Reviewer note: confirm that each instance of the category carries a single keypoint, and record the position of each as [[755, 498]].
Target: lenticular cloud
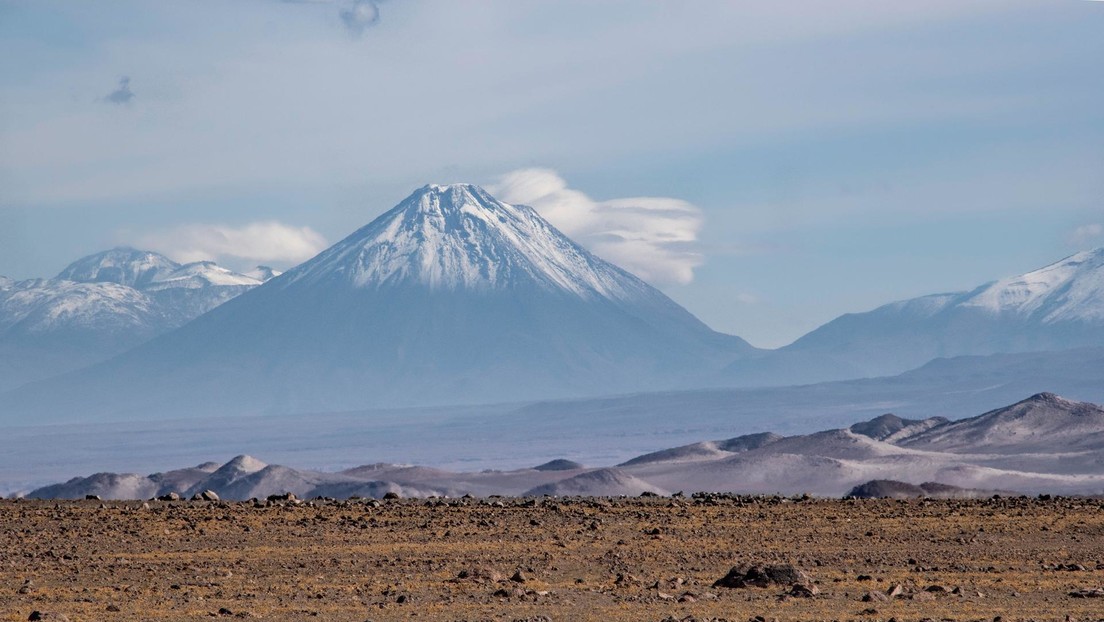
[[655, 238]]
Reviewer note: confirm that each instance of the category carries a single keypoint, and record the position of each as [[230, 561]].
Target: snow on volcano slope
[[451, 297], [459, 237]]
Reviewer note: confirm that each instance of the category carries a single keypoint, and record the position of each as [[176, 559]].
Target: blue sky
[[808, 158]]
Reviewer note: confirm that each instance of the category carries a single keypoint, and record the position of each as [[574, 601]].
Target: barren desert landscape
[[499, 311], [640, 559]]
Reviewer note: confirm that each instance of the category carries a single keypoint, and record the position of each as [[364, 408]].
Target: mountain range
[[453, 297], [1044, 444], [1057, 307], [450, 297], [101, 305]]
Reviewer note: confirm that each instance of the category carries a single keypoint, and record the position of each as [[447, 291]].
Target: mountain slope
[[125, 266], [1058, 307], [1043, 423], [102, 305], [450, 297]]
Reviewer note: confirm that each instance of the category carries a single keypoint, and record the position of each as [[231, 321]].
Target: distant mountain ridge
[[1022, 448], [450, 297], [453, 297], [101, 305], [1057, 307]]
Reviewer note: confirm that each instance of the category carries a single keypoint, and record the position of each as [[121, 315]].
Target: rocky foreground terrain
[[647, 558]]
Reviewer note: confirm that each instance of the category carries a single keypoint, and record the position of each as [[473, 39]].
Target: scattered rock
[[1095, 593], [874, 597], [763, 576], [206, 495], [624, 580], [172, 496], [287, 496], [804, 590], [481, 574], [47, 616]]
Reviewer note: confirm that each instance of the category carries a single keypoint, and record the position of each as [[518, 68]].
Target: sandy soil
[[639, 559]]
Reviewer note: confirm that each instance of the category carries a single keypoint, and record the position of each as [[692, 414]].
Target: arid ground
[[638, 559]]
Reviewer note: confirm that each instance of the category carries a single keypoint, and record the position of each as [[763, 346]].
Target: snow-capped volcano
[[450, 297], [460, 237]]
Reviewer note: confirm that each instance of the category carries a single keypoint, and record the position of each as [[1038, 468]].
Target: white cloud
[[1086, 234], [265, 242], [652, 237]]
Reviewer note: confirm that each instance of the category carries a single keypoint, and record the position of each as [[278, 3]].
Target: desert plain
[[641, 559]]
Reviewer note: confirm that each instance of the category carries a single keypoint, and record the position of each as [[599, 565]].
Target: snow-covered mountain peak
[[1070, 289], [6, 282], [201, 274], [125, 266], [39, 306], [263, 273], [459, 237]]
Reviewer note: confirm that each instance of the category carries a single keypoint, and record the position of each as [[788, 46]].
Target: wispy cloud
[[268, 241], [1087, 234], [122, 94], [652, 237]]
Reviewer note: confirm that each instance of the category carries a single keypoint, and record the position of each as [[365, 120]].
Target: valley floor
[[639, 559]]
